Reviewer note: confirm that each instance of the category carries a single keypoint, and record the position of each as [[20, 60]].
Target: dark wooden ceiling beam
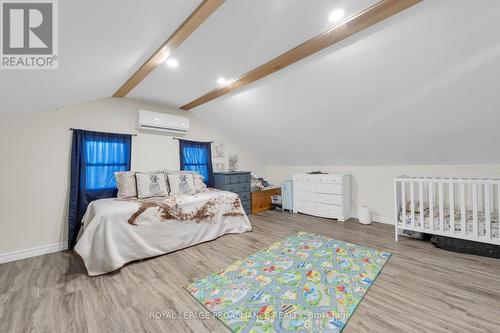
[[201, 13], [377, 13]]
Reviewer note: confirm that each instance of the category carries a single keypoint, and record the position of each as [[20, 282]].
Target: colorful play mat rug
[[303, 283]]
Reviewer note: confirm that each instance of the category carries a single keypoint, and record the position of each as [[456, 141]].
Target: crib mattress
[[469, 219]]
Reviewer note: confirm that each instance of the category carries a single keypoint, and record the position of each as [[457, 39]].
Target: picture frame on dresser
[[323, 195]]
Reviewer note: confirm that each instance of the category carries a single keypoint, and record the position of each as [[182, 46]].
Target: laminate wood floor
[[421, 288]]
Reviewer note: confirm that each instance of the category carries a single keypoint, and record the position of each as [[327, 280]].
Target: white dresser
[[326, 195]]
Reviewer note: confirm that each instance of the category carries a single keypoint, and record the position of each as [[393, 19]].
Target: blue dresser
[[237, 182]]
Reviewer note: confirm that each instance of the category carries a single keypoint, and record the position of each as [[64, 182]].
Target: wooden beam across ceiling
[[201, 13], [377, 13]]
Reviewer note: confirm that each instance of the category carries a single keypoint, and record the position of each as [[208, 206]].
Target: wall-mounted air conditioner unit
[[148, 120]]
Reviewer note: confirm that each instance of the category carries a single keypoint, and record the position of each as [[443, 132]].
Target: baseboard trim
[[33, 252], [376, 218]]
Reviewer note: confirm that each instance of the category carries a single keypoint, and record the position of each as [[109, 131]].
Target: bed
[[469, 220], [119, 231], [461, 213]]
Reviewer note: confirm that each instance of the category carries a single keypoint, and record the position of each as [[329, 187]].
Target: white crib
[[459, 207]]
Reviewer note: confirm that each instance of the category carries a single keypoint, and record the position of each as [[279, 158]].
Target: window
[[102, 160], [95, 157], [197, 156]]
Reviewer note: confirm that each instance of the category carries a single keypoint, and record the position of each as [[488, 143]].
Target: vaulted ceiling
[[417, 88], [238, 37], [101, 43]]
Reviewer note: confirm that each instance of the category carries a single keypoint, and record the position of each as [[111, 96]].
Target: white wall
[[35, 155], [373, 185]]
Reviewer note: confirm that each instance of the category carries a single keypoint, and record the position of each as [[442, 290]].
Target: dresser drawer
[[231, 179], [329, 210], [332, 199], [236, 179], [237, 188], [246, 205], [244, 196], [305, 196], [328, 179], [244, 178], [304, 187], [329, 188], [305, 206], [304, 178]]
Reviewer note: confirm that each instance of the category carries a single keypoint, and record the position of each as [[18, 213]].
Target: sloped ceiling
[[236, 38], [101, 43], [419, 88]]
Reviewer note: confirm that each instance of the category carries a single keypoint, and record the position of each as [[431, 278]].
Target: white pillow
[[198, 182], [152, 184], [181, 183], [125, 181], [199, 185]]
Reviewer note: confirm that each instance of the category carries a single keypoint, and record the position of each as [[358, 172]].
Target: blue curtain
[[95, 157], [197, 156]]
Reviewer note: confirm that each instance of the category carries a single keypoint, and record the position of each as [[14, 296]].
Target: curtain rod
[[79, 129], [193, 140]]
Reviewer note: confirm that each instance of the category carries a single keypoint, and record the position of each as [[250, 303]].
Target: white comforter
[[119, 231]]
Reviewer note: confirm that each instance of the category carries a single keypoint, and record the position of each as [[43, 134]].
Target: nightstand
[[261, 200]]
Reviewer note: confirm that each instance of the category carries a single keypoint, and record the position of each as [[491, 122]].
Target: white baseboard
[[33, 252], [376, 218]]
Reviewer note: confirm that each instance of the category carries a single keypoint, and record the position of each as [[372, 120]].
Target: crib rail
[[466, 207]]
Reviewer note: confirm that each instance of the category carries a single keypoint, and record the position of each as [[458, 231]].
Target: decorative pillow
[[152, 184], [181, 183], [125, 181], [199, 185], [198, 179]]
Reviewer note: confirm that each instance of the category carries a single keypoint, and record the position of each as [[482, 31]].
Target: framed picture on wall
[[219, 166], [219, 149], [232, 162]]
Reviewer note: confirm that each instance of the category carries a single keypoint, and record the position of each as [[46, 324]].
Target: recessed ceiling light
[[221, 80], [172, 63], [336, 15]]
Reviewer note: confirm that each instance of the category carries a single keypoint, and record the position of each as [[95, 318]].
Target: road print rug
[[303, 283]]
